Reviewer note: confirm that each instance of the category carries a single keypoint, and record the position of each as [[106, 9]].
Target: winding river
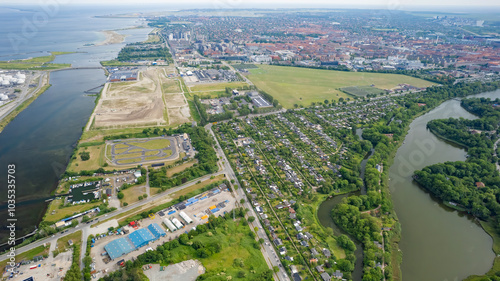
[[438, 243]]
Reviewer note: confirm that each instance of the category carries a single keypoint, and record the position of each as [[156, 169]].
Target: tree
[[251, 218], [120, 195], [85, 155]]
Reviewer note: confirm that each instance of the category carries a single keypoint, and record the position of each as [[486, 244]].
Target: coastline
[[44, 87], [112, 37]]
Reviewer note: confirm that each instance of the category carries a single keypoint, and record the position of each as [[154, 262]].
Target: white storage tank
[[3, 97], [20, 75], [5, 83]]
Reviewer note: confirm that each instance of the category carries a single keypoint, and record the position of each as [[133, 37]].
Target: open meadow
[[302, 86]]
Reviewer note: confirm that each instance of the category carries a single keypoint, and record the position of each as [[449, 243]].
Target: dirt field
[[187, 271], [136, 103]]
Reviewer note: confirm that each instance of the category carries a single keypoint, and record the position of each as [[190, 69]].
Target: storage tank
[[5, 83], [4, 97], [20, 75], [20, 81]]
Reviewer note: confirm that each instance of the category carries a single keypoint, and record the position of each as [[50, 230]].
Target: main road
[[86, 227], [267, 249]]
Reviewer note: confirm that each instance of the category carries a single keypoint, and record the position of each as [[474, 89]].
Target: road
[[267, 249], [24, 95], [86, 227]]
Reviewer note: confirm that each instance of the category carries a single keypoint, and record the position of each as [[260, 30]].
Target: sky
[[440, 5]]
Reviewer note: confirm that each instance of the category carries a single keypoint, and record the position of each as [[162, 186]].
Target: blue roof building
[[119, 247], [156, 230], [141, 237], [134, 240]]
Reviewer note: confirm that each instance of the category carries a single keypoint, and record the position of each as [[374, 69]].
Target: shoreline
[[45, 85], [112, 37]]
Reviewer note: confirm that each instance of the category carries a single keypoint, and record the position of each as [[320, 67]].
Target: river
[[438, 243], [40, 140]]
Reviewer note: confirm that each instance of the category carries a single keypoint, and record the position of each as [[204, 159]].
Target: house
[[378, 244], [337, 274], [282, 251], [325, 276], [300, 236], [288, 258], [320, 269], [326, 252], [479, 184], [304, 243], [314, 252], [277, 242], [308, 235]]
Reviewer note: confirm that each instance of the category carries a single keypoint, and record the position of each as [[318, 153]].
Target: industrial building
[[118, 76], [185, 217], [134, 240]]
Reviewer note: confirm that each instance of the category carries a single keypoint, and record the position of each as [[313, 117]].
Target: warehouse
[[134, 240], [123, 76], [177, 223], [119, 247], [185, 217], [170, 225]]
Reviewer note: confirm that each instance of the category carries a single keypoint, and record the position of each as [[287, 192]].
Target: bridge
[[80, 67]]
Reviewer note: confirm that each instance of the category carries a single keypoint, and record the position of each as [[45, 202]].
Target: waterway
[[438, 243], [325, 218], [40, 140]]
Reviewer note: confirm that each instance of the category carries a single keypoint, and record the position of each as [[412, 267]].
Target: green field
[[237, 253], [302, 86], [217, 86], [361, 91], [36, 63], [152, 144]]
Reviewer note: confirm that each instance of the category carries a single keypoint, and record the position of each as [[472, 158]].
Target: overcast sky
[[270, 3]]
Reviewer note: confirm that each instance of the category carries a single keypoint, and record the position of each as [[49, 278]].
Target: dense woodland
[[472, 185]]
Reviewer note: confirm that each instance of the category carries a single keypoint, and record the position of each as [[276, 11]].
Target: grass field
[[302, 86], [361, 91], [194, 187], [62, 243], [61, 213], [131, 194], [180, 168], [96, 160], [217, 86], [237, 254], [36, 63], [152, 144]]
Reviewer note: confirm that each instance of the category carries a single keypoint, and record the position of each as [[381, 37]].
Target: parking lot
[[49, 269], [198, 211]]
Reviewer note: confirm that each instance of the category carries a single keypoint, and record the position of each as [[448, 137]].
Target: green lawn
[[152, 144], [217, 86], [61, 213], [62, 243], [293, 85], [236, 244], [36, 63]]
